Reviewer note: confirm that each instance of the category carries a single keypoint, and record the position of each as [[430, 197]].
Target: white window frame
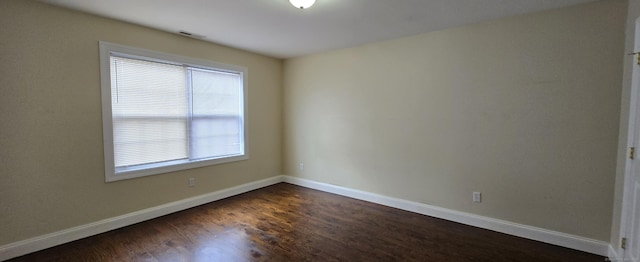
[[111, 174]]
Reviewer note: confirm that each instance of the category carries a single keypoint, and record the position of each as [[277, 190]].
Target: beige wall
[[632, 14], [523, 109], [51, 154]]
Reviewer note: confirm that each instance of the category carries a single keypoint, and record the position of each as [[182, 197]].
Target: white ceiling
[[276, 28]]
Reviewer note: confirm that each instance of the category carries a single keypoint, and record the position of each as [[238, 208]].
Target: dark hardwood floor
[[284, 222]]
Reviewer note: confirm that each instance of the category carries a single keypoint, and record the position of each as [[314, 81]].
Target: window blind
[[164, 112], [216, 126]]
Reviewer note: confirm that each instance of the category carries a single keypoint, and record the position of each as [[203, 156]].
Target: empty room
[[326, 130]]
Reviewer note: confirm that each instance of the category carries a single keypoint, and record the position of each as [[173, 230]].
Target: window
[[164, 113]]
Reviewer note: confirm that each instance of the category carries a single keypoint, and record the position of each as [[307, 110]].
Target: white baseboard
[[539, 234], [27, 246], [548, 236]]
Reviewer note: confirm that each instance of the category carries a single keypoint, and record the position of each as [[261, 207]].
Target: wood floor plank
[[284, 222]]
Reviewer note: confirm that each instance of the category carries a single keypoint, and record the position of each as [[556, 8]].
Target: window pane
[[149, 107], [216, 128], [148, 140]]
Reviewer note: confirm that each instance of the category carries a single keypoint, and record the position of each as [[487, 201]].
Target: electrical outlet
[[301, 166], [192, 182], [477, 197]]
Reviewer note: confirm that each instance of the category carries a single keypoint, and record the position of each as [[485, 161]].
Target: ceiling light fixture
[[302, 4]]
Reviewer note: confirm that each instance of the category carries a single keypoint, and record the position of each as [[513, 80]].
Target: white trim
[[631, 141], [613, 254], [27, 246], [535, 233]]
